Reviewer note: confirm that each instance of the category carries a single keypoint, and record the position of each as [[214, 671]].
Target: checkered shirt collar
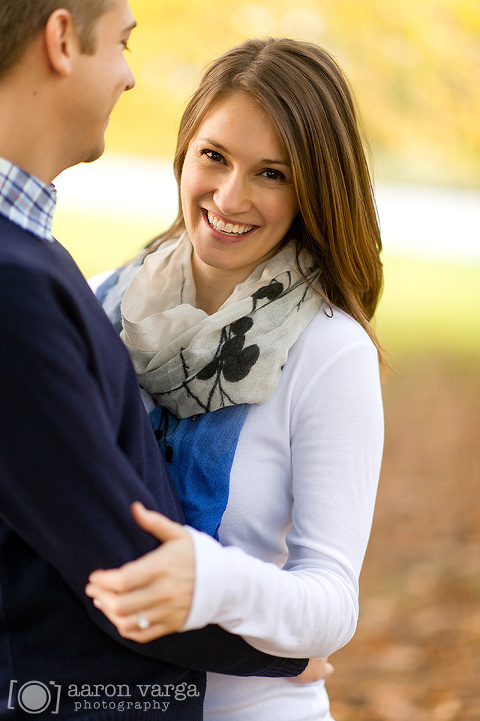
[[26, 201]]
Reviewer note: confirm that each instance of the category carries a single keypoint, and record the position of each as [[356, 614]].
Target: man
[[76, 448]]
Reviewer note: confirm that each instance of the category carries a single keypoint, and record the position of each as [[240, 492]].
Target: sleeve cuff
[[209, 580], [287, 668]]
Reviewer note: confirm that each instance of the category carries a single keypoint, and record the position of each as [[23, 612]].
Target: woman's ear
[[61, 41]]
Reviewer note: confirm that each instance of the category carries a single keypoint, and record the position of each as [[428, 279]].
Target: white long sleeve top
[[295, 531]]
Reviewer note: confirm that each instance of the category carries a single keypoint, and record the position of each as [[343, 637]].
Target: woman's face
[[237, 192]]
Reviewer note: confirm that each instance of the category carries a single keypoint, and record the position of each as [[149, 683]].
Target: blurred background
[[415, 70]]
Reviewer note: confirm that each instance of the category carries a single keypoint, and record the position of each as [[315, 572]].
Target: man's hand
[[152, 596]]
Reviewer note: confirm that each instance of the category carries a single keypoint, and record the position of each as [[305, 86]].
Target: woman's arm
[[336, 437]]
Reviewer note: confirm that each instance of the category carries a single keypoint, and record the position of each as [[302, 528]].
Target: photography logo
[[35, 697]]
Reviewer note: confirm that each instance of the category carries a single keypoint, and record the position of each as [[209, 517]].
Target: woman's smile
[[228, 229]]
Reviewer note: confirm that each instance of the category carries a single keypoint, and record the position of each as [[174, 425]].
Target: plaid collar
[[26, 201]]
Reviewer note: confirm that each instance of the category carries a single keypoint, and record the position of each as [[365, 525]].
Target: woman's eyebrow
[[263, 161], [269, 161], [210, 141]]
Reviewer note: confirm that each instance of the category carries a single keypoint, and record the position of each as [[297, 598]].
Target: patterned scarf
[[194, 363]]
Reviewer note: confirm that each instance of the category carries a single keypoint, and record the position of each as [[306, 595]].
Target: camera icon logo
[[35, 697]]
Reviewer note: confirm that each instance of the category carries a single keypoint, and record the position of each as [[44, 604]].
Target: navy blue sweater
[[76, 449]]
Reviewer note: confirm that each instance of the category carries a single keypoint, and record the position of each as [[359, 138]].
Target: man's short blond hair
[[22, 20]]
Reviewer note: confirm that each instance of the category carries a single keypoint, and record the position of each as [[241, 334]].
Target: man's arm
[[66, 487]]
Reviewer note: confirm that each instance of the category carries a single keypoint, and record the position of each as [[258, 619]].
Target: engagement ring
[[142, 622]]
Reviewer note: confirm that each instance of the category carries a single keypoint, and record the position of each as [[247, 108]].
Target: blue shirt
[[26, 201]]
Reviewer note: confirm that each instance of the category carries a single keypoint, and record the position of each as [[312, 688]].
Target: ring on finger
[[142, 621]]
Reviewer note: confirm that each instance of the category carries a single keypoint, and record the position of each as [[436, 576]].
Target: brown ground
[[416, 654]]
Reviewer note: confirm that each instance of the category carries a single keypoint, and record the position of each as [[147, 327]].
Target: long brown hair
[[308, 99]]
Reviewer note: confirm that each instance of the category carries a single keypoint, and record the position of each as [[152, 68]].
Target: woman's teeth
[[227, 228]]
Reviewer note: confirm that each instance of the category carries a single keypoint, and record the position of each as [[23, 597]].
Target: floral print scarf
[[193, 363]]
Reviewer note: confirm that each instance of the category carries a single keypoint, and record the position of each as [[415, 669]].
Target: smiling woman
[[248, 322], [237, 208]]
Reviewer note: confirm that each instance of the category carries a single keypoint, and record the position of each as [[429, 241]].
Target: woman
[[249, 324]]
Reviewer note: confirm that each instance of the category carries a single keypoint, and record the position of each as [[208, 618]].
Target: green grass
[[427, 305], [430, 305]]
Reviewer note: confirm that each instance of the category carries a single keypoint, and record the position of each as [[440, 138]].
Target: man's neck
[[28, 136], [29, 155]]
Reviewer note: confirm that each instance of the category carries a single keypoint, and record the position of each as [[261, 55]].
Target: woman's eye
[[213, 155], [272, 174]]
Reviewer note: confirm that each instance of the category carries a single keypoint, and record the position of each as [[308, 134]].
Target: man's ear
[[61, 41]]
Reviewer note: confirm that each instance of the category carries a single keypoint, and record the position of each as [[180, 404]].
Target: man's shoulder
[[23, 252], [19, 246], [38, 275]]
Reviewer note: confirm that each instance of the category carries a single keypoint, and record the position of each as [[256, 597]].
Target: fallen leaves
[[416, 654]]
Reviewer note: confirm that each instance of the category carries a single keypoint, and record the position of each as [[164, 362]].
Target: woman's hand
[[151, 596], [317, 669]]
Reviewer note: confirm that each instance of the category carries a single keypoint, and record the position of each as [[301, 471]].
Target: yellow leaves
[[414, 67]]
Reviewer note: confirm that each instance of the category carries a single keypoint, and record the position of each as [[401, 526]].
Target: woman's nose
[[232, 195]]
